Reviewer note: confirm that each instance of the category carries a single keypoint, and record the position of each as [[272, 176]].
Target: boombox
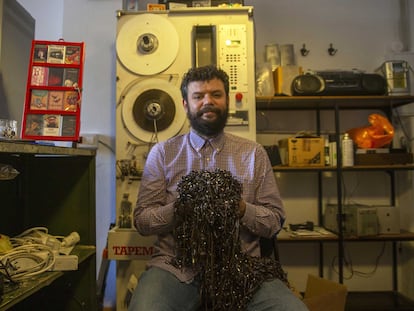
[[339, 83]]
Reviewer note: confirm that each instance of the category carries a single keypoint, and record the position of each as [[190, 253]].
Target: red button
[[239, 97]]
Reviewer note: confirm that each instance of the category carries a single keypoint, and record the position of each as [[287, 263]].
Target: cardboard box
[[302, 151], [324, 295], [128, 244]]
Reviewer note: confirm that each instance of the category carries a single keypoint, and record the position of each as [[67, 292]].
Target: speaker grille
[[374, 84], [307, 85]]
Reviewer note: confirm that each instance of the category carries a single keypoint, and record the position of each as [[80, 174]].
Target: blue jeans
[[159, 290]]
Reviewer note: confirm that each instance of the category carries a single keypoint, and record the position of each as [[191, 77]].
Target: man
[[205, 93]]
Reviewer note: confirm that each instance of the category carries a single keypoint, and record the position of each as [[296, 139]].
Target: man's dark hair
[[205, 73]]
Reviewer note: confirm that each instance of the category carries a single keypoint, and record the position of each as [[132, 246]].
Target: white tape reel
[[165, 100], [147, 45]]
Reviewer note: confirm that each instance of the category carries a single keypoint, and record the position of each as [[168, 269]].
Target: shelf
[[286, 236], [330, 102], [30, 147], [26, 288], [378, 301], [394, 167], [335, 105], [53, 100]]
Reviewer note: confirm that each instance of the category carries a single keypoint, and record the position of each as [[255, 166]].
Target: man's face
[[207, 106]]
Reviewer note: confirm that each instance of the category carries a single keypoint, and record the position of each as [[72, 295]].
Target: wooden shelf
[[30, 147], [15, 294]]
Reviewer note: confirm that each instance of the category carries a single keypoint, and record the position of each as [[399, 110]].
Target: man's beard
[[207, 127]]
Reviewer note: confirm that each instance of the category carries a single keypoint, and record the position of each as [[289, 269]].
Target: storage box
[[384, 158], [324, 295], [128, 244], [302, 151]]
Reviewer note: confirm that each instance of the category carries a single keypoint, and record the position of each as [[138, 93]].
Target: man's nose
[[208, 99]]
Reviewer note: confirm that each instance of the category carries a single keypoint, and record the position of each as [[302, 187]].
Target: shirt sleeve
[[265, 213], [153, 214]]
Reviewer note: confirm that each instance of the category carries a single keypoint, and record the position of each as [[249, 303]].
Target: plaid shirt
[[170, 160]]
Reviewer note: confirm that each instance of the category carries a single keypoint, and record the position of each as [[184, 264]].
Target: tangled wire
[[207, 237]]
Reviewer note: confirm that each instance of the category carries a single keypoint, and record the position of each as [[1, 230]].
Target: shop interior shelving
[[54, 188], [356, 300]]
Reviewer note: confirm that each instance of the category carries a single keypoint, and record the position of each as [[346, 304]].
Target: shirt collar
[[198, 142]]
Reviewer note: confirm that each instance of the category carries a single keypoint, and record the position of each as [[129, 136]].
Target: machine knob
[[239, 97]]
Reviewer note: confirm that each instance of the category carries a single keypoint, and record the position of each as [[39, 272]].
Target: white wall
[[48, 15], [364, 32], [94, 23]]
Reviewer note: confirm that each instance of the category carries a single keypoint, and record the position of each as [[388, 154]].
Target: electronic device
[[358, 220], [396, 73], [388, 219], [339, 83], [154, 50], [303, 226]]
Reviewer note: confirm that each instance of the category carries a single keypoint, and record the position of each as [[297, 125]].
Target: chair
[[269, 247]]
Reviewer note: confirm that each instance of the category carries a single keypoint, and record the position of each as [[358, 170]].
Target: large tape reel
[[152, 100], [147, 44]]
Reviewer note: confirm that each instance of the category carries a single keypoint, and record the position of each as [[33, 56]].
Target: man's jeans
[[159, 290]]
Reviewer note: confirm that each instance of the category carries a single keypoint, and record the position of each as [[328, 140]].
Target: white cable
[[32, 230], [34, 252], [41, 257]]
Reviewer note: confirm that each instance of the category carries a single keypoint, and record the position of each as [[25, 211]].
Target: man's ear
[[185, 105]]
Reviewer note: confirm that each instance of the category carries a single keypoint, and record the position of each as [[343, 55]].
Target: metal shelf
[[331, 102], [338, 104], [396, 167], [286, 236], [378, 301]]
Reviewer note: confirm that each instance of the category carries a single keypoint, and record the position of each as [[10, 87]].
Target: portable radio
[[396, 72]]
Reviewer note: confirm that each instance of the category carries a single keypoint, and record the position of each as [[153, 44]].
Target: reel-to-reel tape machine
[[148, 97], [154, 49]]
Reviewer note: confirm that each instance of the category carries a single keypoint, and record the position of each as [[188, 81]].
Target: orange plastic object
[[378, 135]]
